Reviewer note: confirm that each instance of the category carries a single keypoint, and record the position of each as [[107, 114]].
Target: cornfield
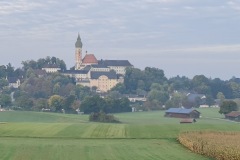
[[218, 145]]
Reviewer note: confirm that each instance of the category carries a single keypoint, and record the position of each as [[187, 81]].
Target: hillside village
[[38, 83]]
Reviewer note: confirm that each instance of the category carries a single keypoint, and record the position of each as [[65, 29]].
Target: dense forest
[[58, 93]]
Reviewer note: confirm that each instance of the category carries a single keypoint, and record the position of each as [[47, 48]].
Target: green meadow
[[140, 136]]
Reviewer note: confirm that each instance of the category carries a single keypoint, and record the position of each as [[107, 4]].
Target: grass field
[[140, 136]]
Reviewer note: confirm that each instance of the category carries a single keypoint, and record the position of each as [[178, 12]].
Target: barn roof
[[187, 120], [180, 110], [233, 114]]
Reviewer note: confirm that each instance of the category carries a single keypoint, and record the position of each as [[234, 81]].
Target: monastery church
[[103, 74]]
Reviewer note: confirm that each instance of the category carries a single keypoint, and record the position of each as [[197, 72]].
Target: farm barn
[[234, 115], [182, 113]]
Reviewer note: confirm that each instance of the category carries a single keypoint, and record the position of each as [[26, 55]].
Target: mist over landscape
[[119, 80], [184, 38]]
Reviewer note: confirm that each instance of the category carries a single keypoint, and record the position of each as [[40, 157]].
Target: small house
[[136, 98], [192, 97], [14, 82], [51, 68], [234, 115], [182, 113]]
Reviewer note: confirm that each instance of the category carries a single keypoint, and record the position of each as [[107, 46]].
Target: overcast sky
[[182, 37]]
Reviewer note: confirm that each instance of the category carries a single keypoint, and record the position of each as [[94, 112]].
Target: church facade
[[102, 74]]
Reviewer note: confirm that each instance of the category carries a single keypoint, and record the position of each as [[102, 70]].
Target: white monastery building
[[102, 74]]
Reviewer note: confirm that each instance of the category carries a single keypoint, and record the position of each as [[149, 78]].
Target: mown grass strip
[[88, 149]]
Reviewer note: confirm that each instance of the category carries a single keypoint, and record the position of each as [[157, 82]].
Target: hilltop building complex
[[102, 74]]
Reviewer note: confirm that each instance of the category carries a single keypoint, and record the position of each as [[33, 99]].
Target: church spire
[[78, 43]]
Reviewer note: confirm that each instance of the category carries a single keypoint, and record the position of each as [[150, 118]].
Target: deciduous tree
[[5, 100], [56, 102], [227, 107]]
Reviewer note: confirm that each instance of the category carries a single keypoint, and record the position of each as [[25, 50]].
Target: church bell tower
[[78, 53]]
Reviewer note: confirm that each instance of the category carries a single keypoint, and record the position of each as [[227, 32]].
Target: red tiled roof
[[233, 114], [90, 58]]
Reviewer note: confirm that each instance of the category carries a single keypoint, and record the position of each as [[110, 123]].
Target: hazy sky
[[182, 37]]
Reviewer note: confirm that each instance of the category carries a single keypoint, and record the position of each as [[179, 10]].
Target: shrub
[[103, 117]]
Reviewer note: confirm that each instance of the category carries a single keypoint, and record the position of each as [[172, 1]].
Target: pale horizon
[[183, 38]]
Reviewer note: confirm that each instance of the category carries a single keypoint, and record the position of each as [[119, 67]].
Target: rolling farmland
[[143, 135]]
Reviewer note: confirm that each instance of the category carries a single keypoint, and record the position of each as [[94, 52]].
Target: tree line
[[58, 92], [162, 92]]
